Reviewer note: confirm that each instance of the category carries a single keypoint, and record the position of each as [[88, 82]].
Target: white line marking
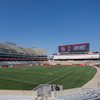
[[19, 80], [58, 77]]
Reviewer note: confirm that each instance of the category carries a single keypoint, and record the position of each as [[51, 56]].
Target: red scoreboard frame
[[84, 47]]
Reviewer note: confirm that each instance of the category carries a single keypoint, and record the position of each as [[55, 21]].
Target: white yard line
[[56, 78], [20, 80], [59, 76]]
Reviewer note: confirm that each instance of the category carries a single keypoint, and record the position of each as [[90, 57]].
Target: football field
[[30, 77]]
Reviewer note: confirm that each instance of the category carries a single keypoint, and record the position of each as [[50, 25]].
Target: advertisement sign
[[74, 48]]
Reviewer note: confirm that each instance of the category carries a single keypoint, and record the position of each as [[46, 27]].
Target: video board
[[74, 48]]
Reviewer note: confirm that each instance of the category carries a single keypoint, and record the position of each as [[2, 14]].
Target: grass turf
[[30, 77]]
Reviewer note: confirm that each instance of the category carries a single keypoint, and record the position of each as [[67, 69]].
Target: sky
[[50, 23]]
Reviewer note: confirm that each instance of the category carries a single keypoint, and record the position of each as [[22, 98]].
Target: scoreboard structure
[[75, 52], [84, 47]]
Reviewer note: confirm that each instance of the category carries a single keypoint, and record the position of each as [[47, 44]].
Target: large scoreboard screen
[[74, 48]]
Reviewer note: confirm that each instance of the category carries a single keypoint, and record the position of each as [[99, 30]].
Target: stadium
[[71, 74]]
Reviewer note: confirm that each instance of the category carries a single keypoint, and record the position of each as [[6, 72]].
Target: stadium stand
[[75, 54], [86, 95], [11, 54]]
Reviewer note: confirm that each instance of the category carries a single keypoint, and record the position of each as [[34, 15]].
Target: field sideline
[[30, 77]]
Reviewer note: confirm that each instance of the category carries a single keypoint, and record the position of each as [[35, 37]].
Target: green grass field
[[30, 77]]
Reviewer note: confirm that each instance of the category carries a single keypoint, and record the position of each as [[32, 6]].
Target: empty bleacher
[[9, 52]]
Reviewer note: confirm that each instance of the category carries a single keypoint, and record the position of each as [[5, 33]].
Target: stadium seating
[[72, 62], [21, 50], [90, 95], [9, 52]]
